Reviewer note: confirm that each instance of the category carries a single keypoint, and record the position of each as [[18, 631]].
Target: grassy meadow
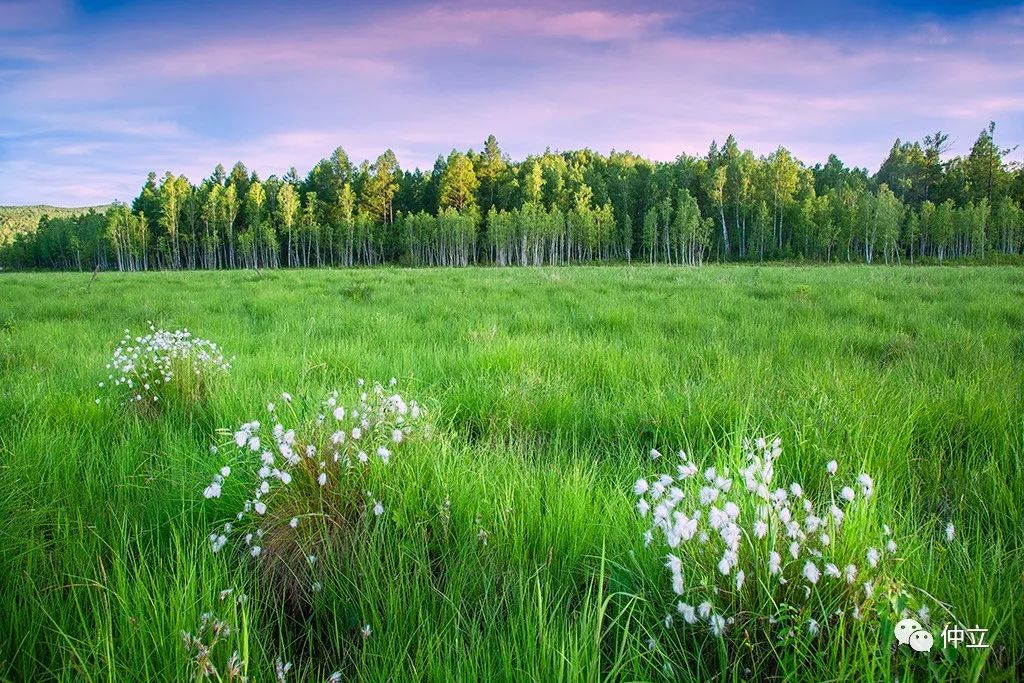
[[511, 549]]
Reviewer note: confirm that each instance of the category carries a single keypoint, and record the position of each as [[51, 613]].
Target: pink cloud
[[566, 78], [19, 15]]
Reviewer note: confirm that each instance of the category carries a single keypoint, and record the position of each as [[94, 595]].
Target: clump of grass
[[740, 546], [202, 647], [310, 495], [147, 369], [358, 291], [896, 348]]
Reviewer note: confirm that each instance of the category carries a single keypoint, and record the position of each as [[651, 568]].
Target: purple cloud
[[91, 121]]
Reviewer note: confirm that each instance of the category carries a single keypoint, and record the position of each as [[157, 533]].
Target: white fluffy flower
[[640, 487], [832, 467], [950, 532], [688, 613], [837, 514], [217, 542], [811, 572], [708, 495], [774, 563], [866, 484], [872, 556]]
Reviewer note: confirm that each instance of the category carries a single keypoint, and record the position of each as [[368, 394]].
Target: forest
[[553, 208]]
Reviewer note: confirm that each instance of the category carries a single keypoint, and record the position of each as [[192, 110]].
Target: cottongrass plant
[[736, 542], [147, 369], [208, 646], [213, 631], [313, 473]]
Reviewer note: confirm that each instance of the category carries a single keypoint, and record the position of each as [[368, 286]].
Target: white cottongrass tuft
[[950, 532], [738, 535], [213, 490], [306, 469], [688, 613], [144, 366]]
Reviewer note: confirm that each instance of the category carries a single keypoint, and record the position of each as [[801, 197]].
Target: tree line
[[554, 208]]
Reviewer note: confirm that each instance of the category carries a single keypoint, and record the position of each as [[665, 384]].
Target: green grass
[[547, 388]]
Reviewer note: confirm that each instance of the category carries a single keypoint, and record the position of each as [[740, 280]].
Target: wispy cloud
[[21, 15], [428, 78]]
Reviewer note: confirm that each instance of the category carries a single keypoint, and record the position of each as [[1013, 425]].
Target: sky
[[94, 95]]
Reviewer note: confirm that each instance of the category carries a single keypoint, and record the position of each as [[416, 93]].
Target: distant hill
[[18, 219]]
